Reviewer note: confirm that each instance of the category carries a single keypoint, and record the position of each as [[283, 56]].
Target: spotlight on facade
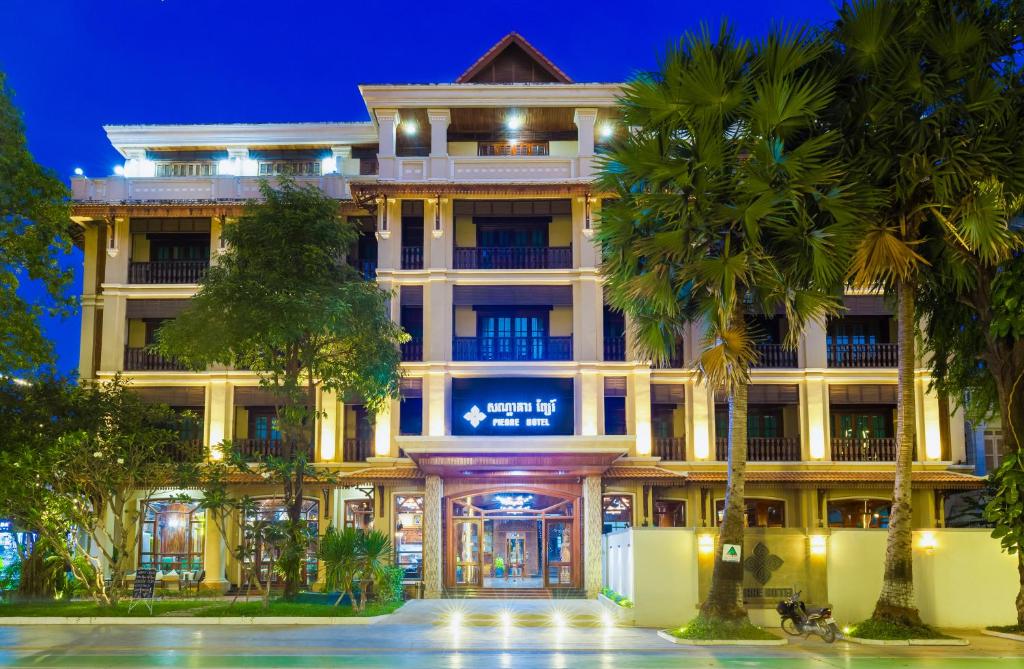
[[119, 170], [507, 619], [926, 541], [607, 130], [455, 619], [558, 619], [514, 122], [409, 128], [818, 544], [79, 172], [705, 544]]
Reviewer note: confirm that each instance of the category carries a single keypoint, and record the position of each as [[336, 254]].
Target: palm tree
[[374, 554], [923, 120], [728, 201], [339, 553]]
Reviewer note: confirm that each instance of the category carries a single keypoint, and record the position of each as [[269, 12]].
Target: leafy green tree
[[34, 217], [283, 302], [926, 123], [82, 460], [1005, 510], [729, 201]]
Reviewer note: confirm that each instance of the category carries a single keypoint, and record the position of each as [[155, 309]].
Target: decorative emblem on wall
[[762, 563], [475, 416]]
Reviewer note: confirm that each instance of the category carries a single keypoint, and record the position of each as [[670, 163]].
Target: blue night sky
[[76, 65]]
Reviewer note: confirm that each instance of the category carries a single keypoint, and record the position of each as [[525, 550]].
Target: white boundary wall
[[657, 569]]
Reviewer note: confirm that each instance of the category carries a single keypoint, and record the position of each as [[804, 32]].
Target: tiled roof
[[365, 475], [833, 478], [645, 473]]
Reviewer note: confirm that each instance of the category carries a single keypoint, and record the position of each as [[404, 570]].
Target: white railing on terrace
[[124, 189]]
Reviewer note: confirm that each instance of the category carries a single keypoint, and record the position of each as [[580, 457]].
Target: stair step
[[513, 593]]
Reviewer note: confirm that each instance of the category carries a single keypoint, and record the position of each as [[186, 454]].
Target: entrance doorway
[[513, 539]]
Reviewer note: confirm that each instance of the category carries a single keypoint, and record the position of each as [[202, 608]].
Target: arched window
[[865, 513], [760, 512], [173, 535], [272, 510]]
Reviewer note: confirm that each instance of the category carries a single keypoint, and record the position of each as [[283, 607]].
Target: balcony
[[358, 450], [412, 351], [266, 448], [217, 187], [774, 355], [412, 257], [763, 449], [513, 257], [489, 349], [669, 448], [186, 451], [864, 450], [144, 360], [863, 355], [167, 271], [615, 349]]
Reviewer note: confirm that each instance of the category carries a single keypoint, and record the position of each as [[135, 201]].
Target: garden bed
[[703, 632], [1012, 632], [875, 633], [622, 615]]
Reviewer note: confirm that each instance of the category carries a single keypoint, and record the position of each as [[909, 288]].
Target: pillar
[[585, 119], [434, 394], [214, 562], [329, 427], [640, 392], [439, 121], [593, 567], [432, 499], [382, 432], [700, 436], [220, 418], [387, 123], [343, 163], [816, 442], [587, 319], [437, 320], [119, 250], [812, 345], [591, 396], [929, 432], [115, 336]]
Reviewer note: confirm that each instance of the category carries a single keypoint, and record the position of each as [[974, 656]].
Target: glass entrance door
[[467, 551], [558, 562]]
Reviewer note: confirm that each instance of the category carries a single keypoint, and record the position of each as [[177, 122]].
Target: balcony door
[[525, 232], [866, 423], [519, 334]]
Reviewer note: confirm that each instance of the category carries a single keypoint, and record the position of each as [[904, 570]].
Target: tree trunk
[[725, 598], [1009, 380], [896, 602]]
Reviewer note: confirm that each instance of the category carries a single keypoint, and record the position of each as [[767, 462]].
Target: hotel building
[[526, 428]]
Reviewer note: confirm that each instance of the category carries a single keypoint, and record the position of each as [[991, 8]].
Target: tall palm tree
[[729, 201], [923, 120]]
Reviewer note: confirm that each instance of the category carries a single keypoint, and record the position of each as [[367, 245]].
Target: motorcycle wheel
[[827, 632], [789, 626]]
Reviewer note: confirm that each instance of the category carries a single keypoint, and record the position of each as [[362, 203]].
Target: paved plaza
[[422, 635]]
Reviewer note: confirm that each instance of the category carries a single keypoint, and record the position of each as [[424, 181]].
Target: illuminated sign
[[512, 406]]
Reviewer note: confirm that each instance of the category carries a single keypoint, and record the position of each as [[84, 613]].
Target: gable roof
[[505, 50]]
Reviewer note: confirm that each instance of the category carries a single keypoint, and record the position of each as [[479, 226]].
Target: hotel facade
[[527, 428]]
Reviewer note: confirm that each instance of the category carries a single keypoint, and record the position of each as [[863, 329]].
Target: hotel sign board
[[512, 406]]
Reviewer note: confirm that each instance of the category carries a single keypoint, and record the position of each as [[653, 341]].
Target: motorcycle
[[796, 620]]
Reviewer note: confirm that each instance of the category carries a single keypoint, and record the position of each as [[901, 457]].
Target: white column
[[437, 320], [119, 250], [432, 536], [929, 433], [387, 123], [115, 333], [435, 402], [343, 162], [585, 119], [591, 401], [813, 346], [817, 442], [382, 432], [389, 235], [220, 415], [640, 394], [329, 431], [439, 121]]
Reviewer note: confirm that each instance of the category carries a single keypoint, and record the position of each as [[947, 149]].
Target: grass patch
[[1009, 629], [885, 631], [704, 629], [297, 609], [85, 609]]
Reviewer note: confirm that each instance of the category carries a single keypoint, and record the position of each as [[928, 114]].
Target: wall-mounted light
[[514, 122], [607, 130], [705, 544], [79, 172], [818, 543], [588, 229], [119, 170], [926, 541], [409, 128], [438, 231], [385, 224], [328, 165], [113, 245]]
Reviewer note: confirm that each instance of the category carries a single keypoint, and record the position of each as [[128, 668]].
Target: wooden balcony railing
[[863, 355], [357, 450], [167, 271], [669, 448], [615, 348], [265, 448], [511, 348], [412, 350], [864, 450], [190, 450], [412, 257], [144, 360], [513, 257], [775, 355], [763, 449]]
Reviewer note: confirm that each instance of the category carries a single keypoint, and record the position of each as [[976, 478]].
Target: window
[[669, 513], [263, 424], [359, 513], [615, 415], [172, 536], [178, 247], [409, 535], [618, 512], [511, 232], [272, 510], [410, 416], [863, 423], [186, 169], [764, 422], [190, 423], [858, 330], [760, 512], [864, 513], [512, 334], [298, 168]]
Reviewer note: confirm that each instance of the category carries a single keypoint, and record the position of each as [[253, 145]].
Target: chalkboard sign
[[143, 588]]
